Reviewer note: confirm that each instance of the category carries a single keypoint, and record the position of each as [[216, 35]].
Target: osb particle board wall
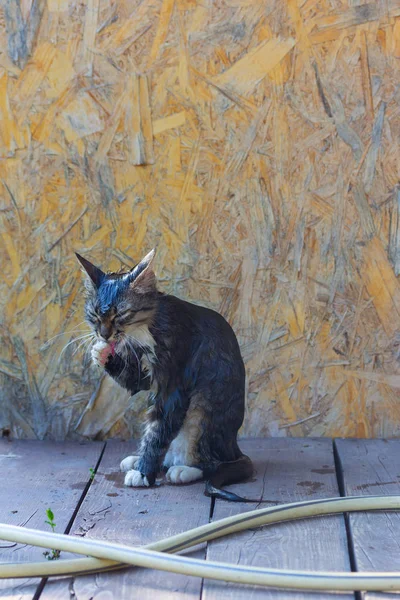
[[256, 144]]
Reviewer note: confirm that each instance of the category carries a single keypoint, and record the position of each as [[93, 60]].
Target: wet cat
[[188, 357]]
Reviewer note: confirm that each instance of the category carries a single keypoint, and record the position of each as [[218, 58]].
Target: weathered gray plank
[[288, 470], [372, 467], [35, 476], [136, 517]]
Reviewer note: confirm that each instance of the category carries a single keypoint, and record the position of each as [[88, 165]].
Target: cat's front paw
[[101, 352], [136, 479], [128, 463]]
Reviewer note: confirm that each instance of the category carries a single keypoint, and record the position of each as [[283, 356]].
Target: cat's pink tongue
[[112, 348]]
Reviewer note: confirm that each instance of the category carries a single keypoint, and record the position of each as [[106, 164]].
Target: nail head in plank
[[288, 470], [134, 516]]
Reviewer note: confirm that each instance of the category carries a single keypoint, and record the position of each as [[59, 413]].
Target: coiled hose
[[109, 556]]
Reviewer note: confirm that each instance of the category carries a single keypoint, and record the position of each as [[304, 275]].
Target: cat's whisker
[[86, 354], [129, 344], [144, 348], [125, 350], [48, 343], [87, 335], [124, 355], [89, 348], [78, 324], [136, 341], [85, 341], [73, 330]]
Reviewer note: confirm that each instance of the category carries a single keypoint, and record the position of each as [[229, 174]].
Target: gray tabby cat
[[188, 358]]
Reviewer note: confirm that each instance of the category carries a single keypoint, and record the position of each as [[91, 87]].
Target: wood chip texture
[[256, 145]]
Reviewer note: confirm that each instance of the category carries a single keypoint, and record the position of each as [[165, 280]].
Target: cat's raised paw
[[128, 463], [136, 479], [183, 474], [100, 353]]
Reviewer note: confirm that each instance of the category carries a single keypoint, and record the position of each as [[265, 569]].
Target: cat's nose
[[105, 331]]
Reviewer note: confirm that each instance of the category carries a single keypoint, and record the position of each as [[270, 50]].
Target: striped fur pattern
[[188, 358]]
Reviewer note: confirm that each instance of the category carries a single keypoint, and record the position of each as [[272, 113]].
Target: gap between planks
[[131, 581], [342, 490], [371, 466], [134, 516], [288, 470], [68, 528], [39, 475], [204, 591]]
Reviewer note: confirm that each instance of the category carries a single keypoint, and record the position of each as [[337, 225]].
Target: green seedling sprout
[[50, 516], [54, 554], [92, 473]]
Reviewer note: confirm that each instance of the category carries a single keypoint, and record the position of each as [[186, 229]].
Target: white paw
[[100, 353], [183, 474], [135, 479], [128, 463]]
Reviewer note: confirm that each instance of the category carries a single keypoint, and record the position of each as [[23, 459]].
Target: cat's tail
[[226, 473]]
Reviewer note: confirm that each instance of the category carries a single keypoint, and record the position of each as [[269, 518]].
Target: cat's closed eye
[[124, 317], [93, 317]]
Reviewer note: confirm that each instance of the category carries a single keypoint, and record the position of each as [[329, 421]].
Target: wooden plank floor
[[288, 470], [134, 516], [372, 467], [38, 475]]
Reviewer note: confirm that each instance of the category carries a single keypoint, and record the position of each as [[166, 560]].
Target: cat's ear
[[143, 279], [96, 275]]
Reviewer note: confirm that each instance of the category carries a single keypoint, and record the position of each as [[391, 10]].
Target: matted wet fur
[[188, 357]]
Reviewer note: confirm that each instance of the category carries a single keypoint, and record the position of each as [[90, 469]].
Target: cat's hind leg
[[181, 457], [183, 474]]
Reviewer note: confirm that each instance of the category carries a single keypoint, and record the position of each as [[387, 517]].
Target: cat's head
[[117, 303]]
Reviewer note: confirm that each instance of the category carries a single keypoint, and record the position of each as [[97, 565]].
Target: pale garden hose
[[111, 555]]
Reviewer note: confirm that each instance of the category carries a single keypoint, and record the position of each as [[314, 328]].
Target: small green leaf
[[50, 514]]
